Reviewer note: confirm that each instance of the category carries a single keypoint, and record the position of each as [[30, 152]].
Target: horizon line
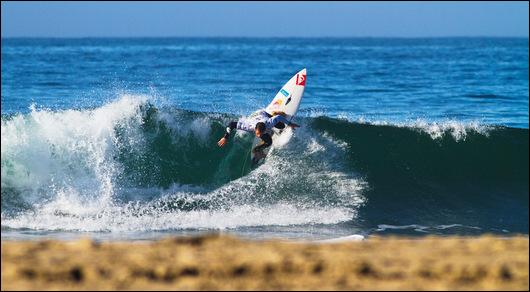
[[260, 37]]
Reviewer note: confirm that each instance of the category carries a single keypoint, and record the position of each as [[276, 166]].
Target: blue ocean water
[[116, 137]]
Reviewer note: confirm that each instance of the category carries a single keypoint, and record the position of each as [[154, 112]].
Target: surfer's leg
[[258, 155], [266, 141]]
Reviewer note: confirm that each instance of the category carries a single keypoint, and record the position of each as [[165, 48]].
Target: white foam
[[422, 228], [120, 219], [354, 237], [457, 129], [65, 149], [314, 147], [436, 129]]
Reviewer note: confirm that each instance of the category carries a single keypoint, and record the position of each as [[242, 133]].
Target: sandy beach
[[219, 262]]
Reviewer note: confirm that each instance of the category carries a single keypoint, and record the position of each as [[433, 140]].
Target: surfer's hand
[[294, 126], [222, 142]]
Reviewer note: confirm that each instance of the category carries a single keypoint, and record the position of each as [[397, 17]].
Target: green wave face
[[479, 178]]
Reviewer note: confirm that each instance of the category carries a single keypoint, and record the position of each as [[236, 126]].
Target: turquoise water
[[117, 137]]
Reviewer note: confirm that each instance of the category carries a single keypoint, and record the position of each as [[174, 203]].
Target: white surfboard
[[287, 100]]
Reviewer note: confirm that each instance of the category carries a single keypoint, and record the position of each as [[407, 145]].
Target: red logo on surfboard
[[300, 79]]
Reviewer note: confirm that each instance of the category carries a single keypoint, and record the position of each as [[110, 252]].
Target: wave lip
[[436, 129]]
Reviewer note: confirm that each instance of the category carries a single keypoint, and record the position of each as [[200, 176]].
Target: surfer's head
[[260, 129]]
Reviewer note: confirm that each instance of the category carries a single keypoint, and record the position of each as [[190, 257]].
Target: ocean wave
[[133, 165]]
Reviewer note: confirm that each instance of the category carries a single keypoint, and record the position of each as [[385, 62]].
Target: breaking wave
[[131, 165]]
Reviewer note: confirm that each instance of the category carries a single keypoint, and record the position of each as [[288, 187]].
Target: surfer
[[261, 123]]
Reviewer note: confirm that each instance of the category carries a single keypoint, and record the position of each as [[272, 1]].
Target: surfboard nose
[[303, 71]]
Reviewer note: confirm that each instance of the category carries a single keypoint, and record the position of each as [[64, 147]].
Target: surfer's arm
[[267, 141], [231, 126], [229, 129], [281, 119]]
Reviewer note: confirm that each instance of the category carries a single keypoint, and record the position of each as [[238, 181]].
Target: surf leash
[[245, 163]]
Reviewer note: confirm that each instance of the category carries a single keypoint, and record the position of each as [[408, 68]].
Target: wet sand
[[218, 262]]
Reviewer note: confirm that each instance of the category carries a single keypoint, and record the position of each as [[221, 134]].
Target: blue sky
[[264, 19]]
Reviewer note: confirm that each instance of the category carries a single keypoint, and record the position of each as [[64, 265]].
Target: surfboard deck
[[286, 102]]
